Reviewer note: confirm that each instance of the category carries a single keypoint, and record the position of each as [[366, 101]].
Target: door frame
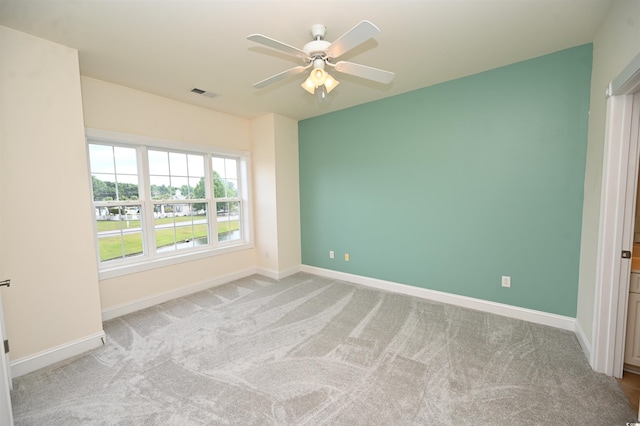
[[6, 415], [617, 212]]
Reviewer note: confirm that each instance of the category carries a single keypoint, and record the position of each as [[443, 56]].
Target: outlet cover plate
[[506, 281]]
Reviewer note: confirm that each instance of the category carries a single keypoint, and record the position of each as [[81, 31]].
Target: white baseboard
[[538, 317], [278, 275], [43, 359], [584, 341], [136, 305]]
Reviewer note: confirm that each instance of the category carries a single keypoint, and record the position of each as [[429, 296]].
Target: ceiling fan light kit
[[319, 53], [319, 77]]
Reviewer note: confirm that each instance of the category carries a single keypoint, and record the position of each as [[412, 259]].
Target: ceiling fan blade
[[275, 44], [352, 38], [363, 71], [275, 78]]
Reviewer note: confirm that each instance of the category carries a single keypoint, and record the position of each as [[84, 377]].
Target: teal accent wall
[[452, 186]]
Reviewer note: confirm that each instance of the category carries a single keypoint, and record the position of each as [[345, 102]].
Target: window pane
[[234, 209], [196, 188], [228, 221], [231, 168], [217, 164], [200, 209], [180, 186], [127, 187], [164, 227], [177, 164], [161, 211], [196, 165], [232, 188], [158, 163], [160, 188], [104, 187], [101, 159], [126, 162], [218, 188], [119, 232], [133, 244], [222, 209]]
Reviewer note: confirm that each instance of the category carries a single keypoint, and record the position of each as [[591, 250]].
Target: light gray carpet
[[308, 350]]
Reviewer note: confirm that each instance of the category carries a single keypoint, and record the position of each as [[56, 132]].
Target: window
[[156, 202]]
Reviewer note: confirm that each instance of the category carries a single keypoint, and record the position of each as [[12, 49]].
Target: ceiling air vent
[[203, 93]]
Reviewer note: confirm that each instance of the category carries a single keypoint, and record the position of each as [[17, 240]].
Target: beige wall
[[614, 46], [288, 194], [276, 194], [127, 289], [46, 229], [264, 192], [111, 107]]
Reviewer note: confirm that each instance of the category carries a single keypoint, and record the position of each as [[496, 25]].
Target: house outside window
[[159, 201]]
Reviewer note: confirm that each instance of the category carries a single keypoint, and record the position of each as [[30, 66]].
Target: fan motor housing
[[316, 48]]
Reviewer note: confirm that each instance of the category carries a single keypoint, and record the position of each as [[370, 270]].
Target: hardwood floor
[[630, 383]]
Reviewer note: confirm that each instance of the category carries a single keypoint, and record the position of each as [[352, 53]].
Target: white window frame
[[150, 259]]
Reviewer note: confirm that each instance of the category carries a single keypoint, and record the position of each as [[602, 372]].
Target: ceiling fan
[[320, 54]]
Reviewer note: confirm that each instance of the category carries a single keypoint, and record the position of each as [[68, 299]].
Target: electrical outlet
[[331, 254], [347, 257], [506, 281]]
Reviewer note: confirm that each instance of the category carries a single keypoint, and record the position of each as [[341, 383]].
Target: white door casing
[[6, 417], [619, 184]]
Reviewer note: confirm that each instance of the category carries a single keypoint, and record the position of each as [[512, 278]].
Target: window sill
[[106, 273]]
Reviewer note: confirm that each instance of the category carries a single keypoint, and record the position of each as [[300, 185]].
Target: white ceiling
[[169, 47]]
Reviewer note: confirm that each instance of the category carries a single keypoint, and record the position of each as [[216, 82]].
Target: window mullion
[[148, 229], [211, 202]]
